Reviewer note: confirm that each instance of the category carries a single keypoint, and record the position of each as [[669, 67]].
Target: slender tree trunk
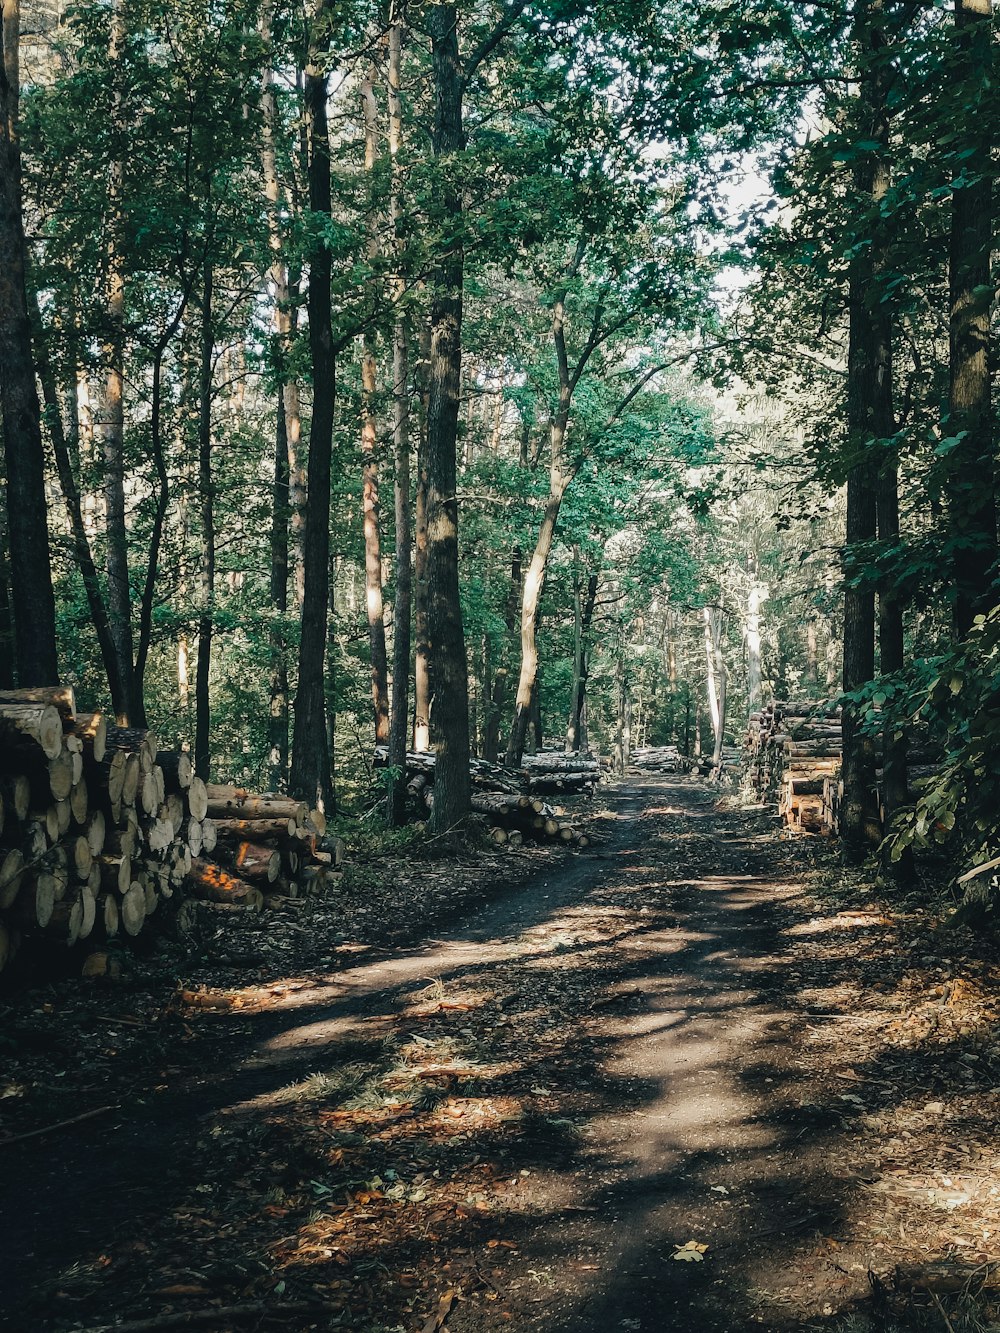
[[755, 599], [310, 777], [374, 606], [491, 742], [28, 535], [869, 418], [444, 609], [422, 655], [583, 608], [7, 680], [971, 463], [892, 658], [206, 574], [560, 476], [288, 432], [623, 727], [399, 714], [278, 689], [717, 678], [74, 513], [110, 429]]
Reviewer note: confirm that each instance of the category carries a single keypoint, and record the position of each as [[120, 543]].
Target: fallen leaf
[[691, 1252]]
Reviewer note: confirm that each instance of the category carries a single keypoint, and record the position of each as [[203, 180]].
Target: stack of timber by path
[[100, 828], [511, 800]]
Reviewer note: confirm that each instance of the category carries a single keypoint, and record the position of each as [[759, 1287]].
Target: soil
[[694, 1077]]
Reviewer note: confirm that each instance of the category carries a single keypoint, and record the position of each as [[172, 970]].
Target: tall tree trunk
[[399, 714], [491, 741], [755, 599], [583, 613], [422, 651], [623, 725], [717, 678], [7, 680], [374, 606], [287, 443], [278, 686], [206, 573], [28, 534], [869, 419], [111, 427], [452, 790], [560, 476], [310, 777], [971, 463], [74, 512]]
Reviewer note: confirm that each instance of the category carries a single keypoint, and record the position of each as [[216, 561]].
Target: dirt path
[[517, 1124]]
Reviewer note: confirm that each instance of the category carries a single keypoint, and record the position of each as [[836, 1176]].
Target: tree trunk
[[399, 714], [206, 576], [869, 418], [310, 774], [755, 598], [111, 428], [374, 607], [718, 680], [583, 608], [278, 687], [444, 608], [28, 535], [74, 513], [491, 740], [560, 476], [422, 655], [971, 463]]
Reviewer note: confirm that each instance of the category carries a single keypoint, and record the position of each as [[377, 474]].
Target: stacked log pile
[[794, 756], [659, 759], [511, 800], [99, 827]]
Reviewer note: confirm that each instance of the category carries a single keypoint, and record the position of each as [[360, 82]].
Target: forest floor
[[693, 1078]]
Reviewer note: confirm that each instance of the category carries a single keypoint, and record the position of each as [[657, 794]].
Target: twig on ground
[[60, 1124]]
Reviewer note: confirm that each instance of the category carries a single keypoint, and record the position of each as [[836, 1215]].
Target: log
[[116, 873], [83, 857], [16, 789], [229, 802], [132, 913], [11, 871], [254, 830], [177, 769], [195, 836], [149, 794], [92, 730], [108, 912], [35, 902], [256, 863], [197, 798], [24, 726], [59, 697], [79, 801], [209, 835], [61, 775], [214, 884]]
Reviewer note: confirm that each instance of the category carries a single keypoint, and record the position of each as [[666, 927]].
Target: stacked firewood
[[511, 800], [659, 759], [794, 756], [267, 847], [99, 827]]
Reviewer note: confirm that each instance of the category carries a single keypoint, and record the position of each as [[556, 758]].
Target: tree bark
[[74, 513], [206, 576], [28, 535], [422, 655], [444, 609], [110, 430], [310, 776], [869, 419], [374, 606], [583, 609], [399, 714], [491, 739], [717, 678], [971, 463], [278, 686]]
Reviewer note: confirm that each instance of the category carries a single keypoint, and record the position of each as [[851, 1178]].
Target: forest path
[[521, 1119]]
